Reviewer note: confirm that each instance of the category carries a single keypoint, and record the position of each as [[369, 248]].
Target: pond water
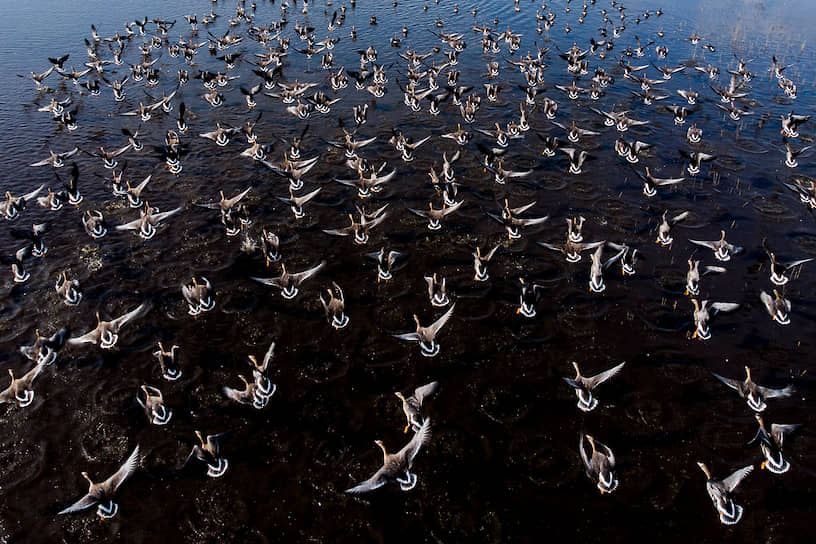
[[503, 462]]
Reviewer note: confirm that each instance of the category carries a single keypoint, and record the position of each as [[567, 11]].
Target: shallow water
[[503, 463]]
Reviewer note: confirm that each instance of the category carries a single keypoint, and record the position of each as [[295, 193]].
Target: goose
[[335, 307], [101, 494], [37, 248], [106, 333], [599, 465], [434, 215], [426, 336], [479, 263], [704, 311], [693, 276], [722, 249], [651, 183], [289, 283], [584, 385], [720, 492], [664, 237], [527, 298], [781, 272], [512, 223], [754, 394], [153, 405], [13, 205], [359, 229], [770, 442], [45, 348], [68, 289], [385, 263], [778, 307], [412, 405], [198, 294], [149, 219], [209, 452], [170, 368], [437, 291], [395, 465], [20, 390]]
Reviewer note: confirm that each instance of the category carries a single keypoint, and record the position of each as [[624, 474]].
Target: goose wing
[[43, 162], [409, 336], [82, 504], [667, 181], [268, 356], [386, 178], [767, 301], [584, 456], [378, 256], [587, 132], [124, 472], [710, 244], [606, 452], [679, 217], [573, 383], [521, 209], [29, 377], [377, 220], [722, 307], [780, 430], [344, 231], [792, 264], [197, 452], [301, 200], [362, 143], [769, 393], [136, 224], [133, 314], [8, 394], [622, 249], [490, 215], [89, 337], [531, 221], [421, 213], [393, 256], [379, 479], [306, 274], [594, 381], [349, 182], [490, 254], [714, 270], [732, 481], [425, 390], [452, 208], [421, 141], [439, 323], [139, 188], [241, 396], [554, 247], [159, 217], [411, 449], [274, 282], [230, 202], [34, 193], [730, 382], [584, 246]]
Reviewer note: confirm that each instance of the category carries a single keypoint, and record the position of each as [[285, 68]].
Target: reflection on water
[[503, 462]]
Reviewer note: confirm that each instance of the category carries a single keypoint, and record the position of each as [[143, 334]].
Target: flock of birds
[[429, 83]]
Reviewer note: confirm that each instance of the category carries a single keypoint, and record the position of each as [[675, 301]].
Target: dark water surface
[[503, 463]]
